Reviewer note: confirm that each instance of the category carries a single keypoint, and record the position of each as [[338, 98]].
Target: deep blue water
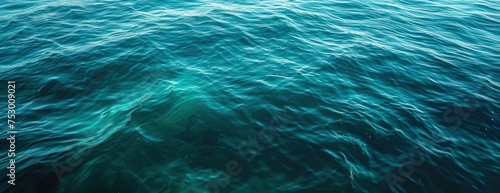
[[255, 96]]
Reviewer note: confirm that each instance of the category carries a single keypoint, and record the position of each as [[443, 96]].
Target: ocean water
[[252, 96]]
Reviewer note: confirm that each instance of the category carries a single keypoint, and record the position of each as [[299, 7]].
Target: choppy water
[[305, 96]]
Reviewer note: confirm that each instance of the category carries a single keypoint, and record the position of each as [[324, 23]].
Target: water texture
[[253, 96]]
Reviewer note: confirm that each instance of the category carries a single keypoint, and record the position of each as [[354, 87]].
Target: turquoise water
[[256, 96]]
